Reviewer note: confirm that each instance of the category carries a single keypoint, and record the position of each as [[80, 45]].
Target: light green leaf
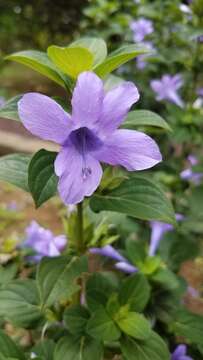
[[119, 57], [135, 291], [75, 318], [135, 325], [137, 197], [57, 278], [153, 348], [39, 61], [7, 273], [96, 46], [71, 60], [101, 327], [111, 82], [14, 170], [10, 109], [44, 349], [166, 278], [19, 303], [144, 118], [8, 349], [74, 348], [42, 179]]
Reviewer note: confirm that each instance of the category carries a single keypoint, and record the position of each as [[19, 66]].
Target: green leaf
[[153, 348], [75, 318], [39, 61], [119, 57], [14, 170], [8, 349], [111, 82], [41, 176], [135, 251], [71, 60], [166, 278], [137, 197], [45, 349], [135, 291], [96, 46], [10, 109], [101, 327], [74, 348], [144, 118], [189, 326], [19, 303], [56, 278], [135, 325], [98, 291], [7, 273]]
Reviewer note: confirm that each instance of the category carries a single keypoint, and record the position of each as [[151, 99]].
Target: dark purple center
[[85, 140]]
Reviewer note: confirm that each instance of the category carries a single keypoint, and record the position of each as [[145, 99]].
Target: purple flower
[[90, 135], [141, 59], [121, 264], [158, 230], [180, 353], [200, 90], [43, 242], [193, 292], [200, 38], [189, 174], [2, 101], [141, 28], [166, 89]]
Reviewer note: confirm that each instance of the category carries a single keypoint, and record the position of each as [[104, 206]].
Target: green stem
[[80, 231]]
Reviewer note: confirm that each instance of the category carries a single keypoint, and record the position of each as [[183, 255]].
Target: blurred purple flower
[[121, 264], [12, 206], [189, 174], [141, 59], [180, 353], [90, 135], [193, 292], [166, 89], [200, 38], [200, 91], [2, 101], [43, 242], [158, 230], [141, 28]]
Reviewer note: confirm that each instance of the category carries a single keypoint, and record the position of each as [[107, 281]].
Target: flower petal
[[87, 99], [180, 350], [44, 118], [79, 175], [126, 267], [132, 149], [108, 251], [116, 105]]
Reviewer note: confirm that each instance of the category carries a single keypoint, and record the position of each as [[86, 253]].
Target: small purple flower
[[200, 38], [121, 264], [180, 353], [43, 242], [141, 28], [200, 90], [158, 230], [189, 174], [90, 135], [141, 59], [193, 292], [166, 89]]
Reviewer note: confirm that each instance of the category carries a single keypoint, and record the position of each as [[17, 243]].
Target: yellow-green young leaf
[[71, 60], [39, 61], [119, 57], [96, 46], [135, 325]]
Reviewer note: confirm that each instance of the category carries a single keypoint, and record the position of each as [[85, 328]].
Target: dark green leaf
[[74, 348], [144, 118], [39, 61], [75, 318], [189, 326], [14, 170], [153, 348], [137, 197], [56, 278], [101, 327], [8, 349], [135, 291], [19, 303], [119, 57], [7, 273], [41, 176], [44, 349], [136, 251], [166, 278]]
